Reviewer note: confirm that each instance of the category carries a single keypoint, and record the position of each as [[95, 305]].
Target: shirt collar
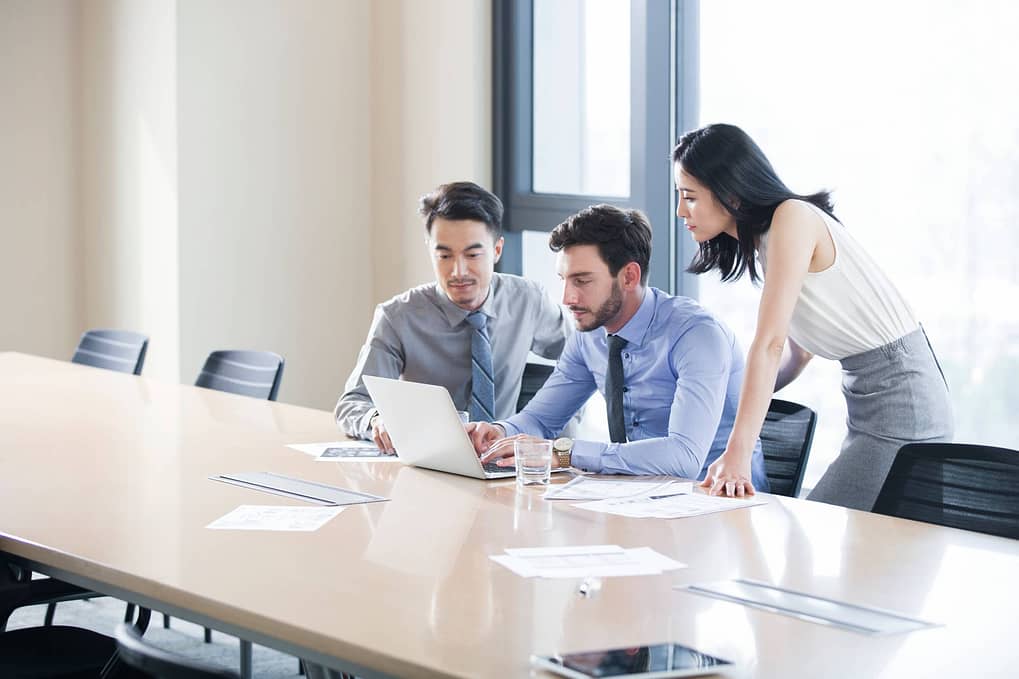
[[455, 315], [636, 329]]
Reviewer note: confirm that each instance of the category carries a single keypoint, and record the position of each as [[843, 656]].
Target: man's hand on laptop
[[483, 435], [381, 436], [501, 452]]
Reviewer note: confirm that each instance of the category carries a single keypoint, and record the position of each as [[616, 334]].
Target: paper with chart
[[668, 506], [585, 561], [587, 488], [347, 450], [265, 517]]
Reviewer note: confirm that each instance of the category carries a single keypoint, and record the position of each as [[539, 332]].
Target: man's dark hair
[[622, 236], [463, 201]]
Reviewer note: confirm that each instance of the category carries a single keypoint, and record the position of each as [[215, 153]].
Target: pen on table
[[662, 497]]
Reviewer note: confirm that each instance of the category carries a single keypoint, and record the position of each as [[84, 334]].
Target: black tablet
[[643, 662]]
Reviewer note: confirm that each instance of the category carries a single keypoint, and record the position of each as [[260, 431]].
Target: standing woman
[[822, 295]]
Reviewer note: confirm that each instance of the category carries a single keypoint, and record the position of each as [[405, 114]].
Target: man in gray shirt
[[469, 329]]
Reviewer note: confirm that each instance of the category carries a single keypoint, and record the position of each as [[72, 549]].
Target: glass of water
[[534, 462]]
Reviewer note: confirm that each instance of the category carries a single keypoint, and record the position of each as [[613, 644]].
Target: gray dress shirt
[[421, 336]]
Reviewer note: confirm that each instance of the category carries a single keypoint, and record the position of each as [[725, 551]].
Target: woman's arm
[[794, 360], [791, 244]]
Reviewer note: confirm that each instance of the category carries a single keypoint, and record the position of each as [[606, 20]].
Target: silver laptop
[[426, 430]]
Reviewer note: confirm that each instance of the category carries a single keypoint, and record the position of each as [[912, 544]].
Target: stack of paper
[[586, 561], [587, 488], [668, 506]]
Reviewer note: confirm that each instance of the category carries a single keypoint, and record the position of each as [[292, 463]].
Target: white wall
[[127, 124], [248, 171], [39, 277]]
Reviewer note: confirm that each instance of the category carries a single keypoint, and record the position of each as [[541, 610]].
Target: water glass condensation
[[534, 462]]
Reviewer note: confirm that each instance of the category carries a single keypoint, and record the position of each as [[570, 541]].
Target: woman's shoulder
[[796, 218], [795, 209]]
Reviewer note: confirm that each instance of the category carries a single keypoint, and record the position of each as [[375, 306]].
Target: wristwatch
[[562, 448]]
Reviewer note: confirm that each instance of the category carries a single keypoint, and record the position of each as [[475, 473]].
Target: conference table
[[104, 483]]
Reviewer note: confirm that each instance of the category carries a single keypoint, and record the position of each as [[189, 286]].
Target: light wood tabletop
[[103, 481]]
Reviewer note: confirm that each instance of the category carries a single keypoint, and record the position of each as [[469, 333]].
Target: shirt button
[[626, 355], [626, 389]]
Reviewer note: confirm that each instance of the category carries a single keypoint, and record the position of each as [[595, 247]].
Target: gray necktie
[[614, 390], [482, 408]]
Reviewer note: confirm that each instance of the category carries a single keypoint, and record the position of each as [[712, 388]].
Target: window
[[585, 97], [581, 124], [902, 109]]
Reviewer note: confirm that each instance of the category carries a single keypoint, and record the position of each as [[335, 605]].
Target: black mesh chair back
[[786, 436], [135, 652], [119, 350], [248, 373], [535, 375], [956, 485]]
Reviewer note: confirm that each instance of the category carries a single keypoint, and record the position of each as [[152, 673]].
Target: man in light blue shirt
[[672, 395]]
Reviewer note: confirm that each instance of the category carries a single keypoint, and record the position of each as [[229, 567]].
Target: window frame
[[663, 99]]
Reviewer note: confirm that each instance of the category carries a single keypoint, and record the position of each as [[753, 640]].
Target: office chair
[[47, 651], [151, 661], [535, 375], [248, 373], [119, 350], [956, 485], [786, 436]]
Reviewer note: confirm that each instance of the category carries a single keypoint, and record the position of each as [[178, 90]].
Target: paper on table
[[262, 517], [347, 450], [585, 561], [587, 488], [672, 507]]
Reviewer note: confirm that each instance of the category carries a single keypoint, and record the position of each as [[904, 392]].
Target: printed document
[[585, 561], [347, 450], [262, 517], [587, 488], [667, 506]]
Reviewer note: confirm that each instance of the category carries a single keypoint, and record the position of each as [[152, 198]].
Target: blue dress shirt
[[682, 375]]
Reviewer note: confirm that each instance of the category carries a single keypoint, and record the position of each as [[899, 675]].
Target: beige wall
[[248, 171], [39, 275], [432, 106], [127, 173], [275, 236]]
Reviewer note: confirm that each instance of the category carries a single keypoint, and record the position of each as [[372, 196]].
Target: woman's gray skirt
[[895, 394]]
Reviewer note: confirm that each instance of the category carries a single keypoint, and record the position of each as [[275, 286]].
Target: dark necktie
[[614, 390], [482, 407]]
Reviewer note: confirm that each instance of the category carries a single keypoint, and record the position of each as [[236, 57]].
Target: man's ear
[[631, 275], [498, 249]]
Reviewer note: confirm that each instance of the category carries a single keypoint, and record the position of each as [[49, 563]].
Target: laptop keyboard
[[493, 468]]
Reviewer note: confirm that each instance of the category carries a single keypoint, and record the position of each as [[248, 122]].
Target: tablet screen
[[639, 660]]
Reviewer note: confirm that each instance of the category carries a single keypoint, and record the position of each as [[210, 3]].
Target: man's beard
[[607, 311]]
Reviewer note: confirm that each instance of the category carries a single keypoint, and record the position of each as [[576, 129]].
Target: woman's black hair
[[727, 161]]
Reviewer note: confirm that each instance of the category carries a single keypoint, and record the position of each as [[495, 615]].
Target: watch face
[[563, 443]]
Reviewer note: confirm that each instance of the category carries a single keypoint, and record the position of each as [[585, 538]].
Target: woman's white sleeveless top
[[850, 307]]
